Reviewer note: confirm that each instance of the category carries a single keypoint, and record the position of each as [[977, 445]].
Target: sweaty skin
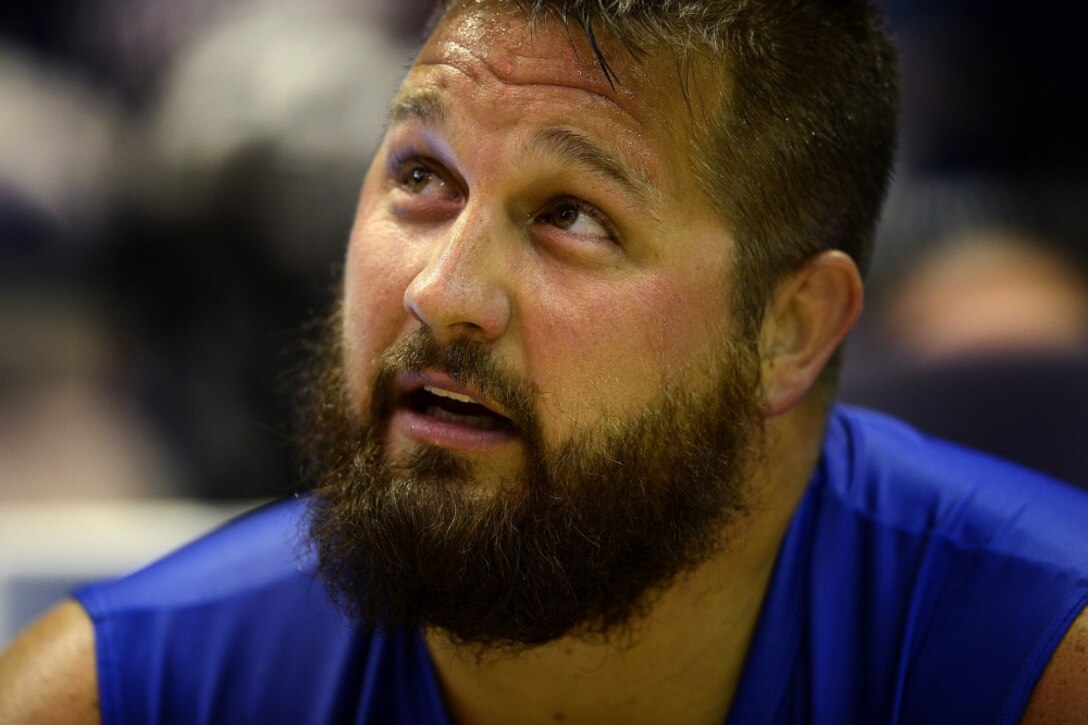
[[521, 200], [557, 222]]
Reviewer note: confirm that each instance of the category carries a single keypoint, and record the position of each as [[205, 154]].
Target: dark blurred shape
[[69, 424], [975, 327], [978, 329], [241, 186], [177, 183], [1029, 408], [927, 212], [993, 86]]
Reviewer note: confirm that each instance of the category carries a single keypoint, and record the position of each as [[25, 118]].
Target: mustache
[[467, 361]]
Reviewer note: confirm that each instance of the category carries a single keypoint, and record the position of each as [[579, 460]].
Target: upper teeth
[[447, 394]]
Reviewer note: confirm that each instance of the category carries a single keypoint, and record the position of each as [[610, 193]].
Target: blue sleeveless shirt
[[917, 583]]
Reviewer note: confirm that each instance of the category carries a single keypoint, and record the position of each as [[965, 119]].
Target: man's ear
[[808, 317]]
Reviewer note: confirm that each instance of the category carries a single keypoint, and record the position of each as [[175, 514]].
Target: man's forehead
[[495, 41], [543, 50], [637, 130]]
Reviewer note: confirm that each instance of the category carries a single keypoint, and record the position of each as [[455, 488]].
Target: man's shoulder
[[1062, 692], [942, 579], [904, 479], [240, 605], [263, 548], [253, 577], [48, 673]]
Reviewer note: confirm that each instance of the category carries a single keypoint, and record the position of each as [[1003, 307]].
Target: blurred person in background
[[197, 162], [70, 425], [176, 179], [977, 329], [573, 441], [978, 318], [240, 180]]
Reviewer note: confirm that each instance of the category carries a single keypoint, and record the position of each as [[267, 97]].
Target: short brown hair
[[794, 144]]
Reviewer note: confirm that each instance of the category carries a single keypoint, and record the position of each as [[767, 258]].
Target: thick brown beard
[[579, 545]]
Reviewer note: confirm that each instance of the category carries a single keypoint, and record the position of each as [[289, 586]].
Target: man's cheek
[[371, 324], [585, 373]]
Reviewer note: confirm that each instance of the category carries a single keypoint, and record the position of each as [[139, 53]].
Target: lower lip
[[448, 434]]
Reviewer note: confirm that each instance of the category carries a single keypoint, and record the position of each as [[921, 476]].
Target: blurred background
[[976, 326], [178, 178], [177, 182]]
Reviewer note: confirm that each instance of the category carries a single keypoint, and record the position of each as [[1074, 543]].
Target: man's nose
[[461, 290]]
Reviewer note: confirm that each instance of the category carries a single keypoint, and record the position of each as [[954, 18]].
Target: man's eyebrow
[[431, 108], [580, 150], [426, 107]]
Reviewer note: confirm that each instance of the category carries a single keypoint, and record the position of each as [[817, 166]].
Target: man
[[572, 441]]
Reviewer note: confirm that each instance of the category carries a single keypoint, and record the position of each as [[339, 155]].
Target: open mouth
[[457, 408]]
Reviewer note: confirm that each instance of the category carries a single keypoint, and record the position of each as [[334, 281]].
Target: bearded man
[[571, 433]]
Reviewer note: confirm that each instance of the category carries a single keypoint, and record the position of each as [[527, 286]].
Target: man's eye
[[570, 216], [418, 179]]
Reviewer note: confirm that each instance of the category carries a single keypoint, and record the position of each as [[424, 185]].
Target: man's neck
[[682, 662]]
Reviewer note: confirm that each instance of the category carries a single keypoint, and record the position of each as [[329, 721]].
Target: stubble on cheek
[[382, 260], [370, 319]]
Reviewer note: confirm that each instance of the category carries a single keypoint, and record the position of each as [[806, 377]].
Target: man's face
[[547, 412], [520, 201]]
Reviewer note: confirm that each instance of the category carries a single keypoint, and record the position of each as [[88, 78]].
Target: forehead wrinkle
[[580, 150]]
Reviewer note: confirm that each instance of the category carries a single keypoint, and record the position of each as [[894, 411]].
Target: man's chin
[[483, 473]]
